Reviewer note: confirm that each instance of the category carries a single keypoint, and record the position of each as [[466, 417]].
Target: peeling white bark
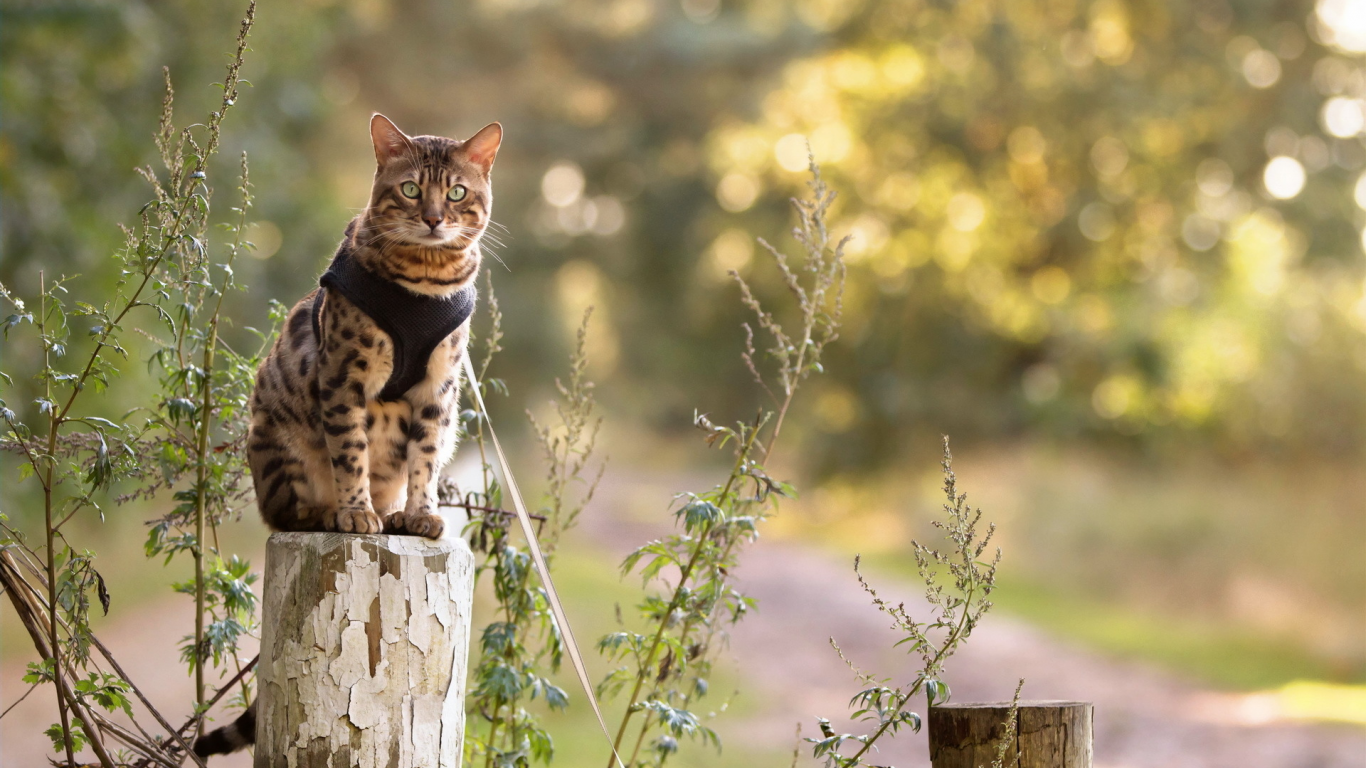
[[364, 649]]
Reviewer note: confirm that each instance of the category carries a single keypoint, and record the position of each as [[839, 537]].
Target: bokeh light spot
[[1093, 315], [1115, 396], [1281, 140], [902, 67], [1341, 117], [1077, 49], [701, 11], [732, 250], [831, 142], [1284, 177], [1051, 285], [825, 15], [791, 152], [562, 185], [1110, 32], [1178, 286], [267, 238], [1261, 68], [1344, 22], [1109, 156], [1026, 144], [966, 211], [624, 18], [1201, 233], [737, 192], [579, 285], [1332, 75], [867, 235], [1096, 221], [899, 191], [853, 72], [611, 215], [1214, 177]]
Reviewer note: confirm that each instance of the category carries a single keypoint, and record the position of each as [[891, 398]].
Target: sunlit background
[[1114, 249]]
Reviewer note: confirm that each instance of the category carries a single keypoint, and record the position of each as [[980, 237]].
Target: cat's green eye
[[410, 190], [457, 193]]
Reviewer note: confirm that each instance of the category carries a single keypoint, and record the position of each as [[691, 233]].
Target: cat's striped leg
[[343, 368], [388, 423], [432, 436]]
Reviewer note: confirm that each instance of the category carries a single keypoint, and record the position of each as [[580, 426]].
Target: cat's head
[[430, 191]]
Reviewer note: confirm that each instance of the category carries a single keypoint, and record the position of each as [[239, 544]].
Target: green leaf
[[39, 672], [79, 740]]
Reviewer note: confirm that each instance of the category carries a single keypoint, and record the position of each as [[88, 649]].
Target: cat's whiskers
[[492, 242], [484, 238], [382, 236]]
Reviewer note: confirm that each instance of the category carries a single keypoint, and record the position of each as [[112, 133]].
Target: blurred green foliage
[[1066, 215], [1087, 216]]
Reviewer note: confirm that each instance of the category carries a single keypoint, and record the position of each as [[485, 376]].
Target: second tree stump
[[1049, 734]]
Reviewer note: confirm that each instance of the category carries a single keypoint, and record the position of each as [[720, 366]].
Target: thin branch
[[221, 693], [490, 510], [19, 701], [138, 692]]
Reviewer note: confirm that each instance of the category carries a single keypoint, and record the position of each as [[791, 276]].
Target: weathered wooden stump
[[363, 652], [1050, 734]]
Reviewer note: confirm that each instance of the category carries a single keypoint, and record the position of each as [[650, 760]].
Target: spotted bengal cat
[[353, 415]]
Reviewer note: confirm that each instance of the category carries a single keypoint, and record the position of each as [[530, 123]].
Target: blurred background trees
[[1069, 217], [1127, 230]]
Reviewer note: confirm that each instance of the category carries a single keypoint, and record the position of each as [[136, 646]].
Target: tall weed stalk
[[522, 646], [664, 669], [170, 291], [958, 582]]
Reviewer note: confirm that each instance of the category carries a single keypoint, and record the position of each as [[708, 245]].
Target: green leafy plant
[[523, 646], [194, 433], [664, 669], [172, 277], [958, 582]]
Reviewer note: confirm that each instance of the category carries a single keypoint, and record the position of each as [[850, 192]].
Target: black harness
[[416, 323]]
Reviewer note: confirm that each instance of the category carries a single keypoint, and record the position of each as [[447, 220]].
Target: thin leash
[[537, 557]]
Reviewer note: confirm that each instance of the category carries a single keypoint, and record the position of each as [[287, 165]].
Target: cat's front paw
[[417, 523], [359, 520]]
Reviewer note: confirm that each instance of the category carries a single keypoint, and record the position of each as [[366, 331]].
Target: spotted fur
[[325, 454]]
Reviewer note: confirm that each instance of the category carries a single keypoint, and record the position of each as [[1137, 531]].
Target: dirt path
[[1145, 717]]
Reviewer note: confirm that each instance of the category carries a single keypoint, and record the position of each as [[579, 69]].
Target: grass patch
[[1216, 653], [589, 584], [1244, 575]]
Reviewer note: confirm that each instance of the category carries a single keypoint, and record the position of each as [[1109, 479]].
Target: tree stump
[[364, 649], [1049, 734]]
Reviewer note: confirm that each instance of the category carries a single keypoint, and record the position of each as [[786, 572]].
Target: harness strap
[[416, 323]]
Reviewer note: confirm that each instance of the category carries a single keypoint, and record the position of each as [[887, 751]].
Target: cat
[[333, 445], [354, 411]]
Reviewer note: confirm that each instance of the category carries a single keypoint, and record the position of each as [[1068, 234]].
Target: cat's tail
[[231, 737]]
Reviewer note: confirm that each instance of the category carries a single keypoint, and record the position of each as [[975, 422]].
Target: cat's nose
[[432, 221]]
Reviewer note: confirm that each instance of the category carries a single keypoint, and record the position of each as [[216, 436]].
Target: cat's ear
[[483, 146], [389, 141]]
